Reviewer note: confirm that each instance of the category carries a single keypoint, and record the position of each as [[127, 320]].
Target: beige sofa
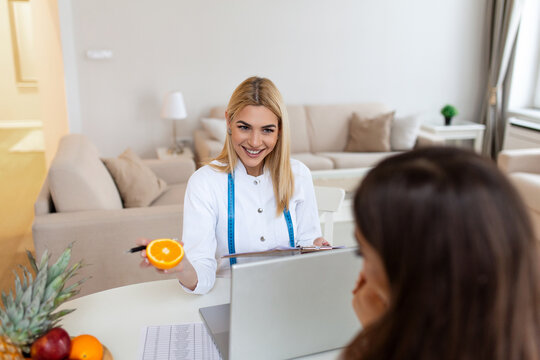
[[523, 168], [80, 203], [319, 134]]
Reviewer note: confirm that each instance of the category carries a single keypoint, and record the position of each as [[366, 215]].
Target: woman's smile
[[252, 152]]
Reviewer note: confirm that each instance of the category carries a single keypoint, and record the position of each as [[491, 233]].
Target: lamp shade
[[173, 106]]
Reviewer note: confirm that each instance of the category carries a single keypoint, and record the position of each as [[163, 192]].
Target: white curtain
[[505, 20]]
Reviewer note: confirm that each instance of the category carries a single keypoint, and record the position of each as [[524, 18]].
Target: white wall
[[50, 70], [415, 55]]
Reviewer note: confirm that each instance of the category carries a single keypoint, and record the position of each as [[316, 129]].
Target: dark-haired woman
[[451, 266]]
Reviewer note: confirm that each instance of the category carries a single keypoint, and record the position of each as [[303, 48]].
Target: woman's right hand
[[145, 263], [184, 271], [369, 305]]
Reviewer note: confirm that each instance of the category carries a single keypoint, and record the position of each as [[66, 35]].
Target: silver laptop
[[287, 307]]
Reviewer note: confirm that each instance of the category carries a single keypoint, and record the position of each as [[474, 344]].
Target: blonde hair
[[258, 91]]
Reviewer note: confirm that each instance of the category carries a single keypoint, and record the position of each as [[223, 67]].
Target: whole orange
[[86, 347]]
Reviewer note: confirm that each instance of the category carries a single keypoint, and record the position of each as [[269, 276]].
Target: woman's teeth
[[252, 152]]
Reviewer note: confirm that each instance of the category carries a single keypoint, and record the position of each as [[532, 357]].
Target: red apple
[[54, 345]]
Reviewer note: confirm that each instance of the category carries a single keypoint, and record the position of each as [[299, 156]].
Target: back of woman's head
[[460, 257]]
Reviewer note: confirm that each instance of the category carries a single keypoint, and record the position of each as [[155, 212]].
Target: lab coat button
[[262, 238], [256, 182], [259, 210]]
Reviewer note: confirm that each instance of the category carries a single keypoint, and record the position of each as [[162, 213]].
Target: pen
[[140, 248], [136, 249]]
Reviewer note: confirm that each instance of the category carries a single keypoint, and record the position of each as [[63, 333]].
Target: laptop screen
[[292, 306]]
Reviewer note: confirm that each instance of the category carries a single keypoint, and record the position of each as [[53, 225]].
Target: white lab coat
[[257, 225]]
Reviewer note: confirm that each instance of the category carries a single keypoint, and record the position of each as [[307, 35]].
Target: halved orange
[[164, 253]]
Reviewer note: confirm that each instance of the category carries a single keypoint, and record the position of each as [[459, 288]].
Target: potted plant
[[448, 111]]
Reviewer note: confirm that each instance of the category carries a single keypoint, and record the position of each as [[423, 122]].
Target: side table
[[459, 130], [163, 154]]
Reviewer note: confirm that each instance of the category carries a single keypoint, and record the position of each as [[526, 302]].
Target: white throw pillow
[[217, 128], [404, 132]]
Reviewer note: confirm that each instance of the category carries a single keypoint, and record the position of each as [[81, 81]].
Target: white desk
[[458, 130], [116, 316]]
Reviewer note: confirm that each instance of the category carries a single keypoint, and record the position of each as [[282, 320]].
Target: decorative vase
[[447, 120]]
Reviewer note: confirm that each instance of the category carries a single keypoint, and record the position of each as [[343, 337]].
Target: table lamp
[[174, 109]]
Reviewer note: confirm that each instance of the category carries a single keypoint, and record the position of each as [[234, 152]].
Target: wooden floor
[[21, 176]]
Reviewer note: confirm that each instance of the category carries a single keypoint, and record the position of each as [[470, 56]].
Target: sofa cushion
[[206, 148], [174, 195], [404, 132], [299, 129], [329, 124], [218, 112], [137, 184], [369, 134], [348, 160], [314, 162], [527, 185], [78, 180], [217, 128]]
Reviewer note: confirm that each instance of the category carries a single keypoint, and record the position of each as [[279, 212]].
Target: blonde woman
[[252, 197]]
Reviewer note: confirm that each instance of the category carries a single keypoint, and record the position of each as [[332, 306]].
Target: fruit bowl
[[107, 354]]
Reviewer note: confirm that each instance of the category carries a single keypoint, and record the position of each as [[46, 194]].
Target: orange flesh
[[164, 253]]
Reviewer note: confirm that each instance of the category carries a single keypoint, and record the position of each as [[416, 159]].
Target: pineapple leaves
[[7, 300], [32, 261], [59, 314], [44, 260], [38, 292], [18, 287], [26, 297], [13, 314], [61, 264], [28, 314]]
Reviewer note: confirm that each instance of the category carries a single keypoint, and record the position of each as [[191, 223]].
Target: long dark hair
[[460, 256]]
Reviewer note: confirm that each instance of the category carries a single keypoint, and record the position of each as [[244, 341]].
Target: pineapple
[[29, 314], [8, 351]]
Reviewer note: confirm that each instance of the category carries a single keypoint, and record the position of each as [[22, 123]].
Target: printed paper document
[[177, 342]]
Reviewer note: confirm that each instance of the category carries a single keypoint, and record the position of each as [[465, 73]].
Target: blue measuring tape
[[230, 220]]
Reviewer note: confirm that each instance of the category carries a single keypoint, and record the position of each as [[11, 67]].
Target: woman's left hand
[[321, 242]]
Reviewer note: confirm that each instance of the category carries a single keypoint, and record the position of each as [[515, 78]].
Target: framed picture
[[22, 37]]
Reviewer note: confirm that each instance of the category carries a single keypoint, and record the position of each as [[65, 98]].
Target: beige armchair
[[80, 203], [523, 168]]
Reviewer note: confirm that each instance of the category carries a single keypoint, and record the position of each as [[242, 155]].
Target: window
[[525, 87], [537, 92]]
